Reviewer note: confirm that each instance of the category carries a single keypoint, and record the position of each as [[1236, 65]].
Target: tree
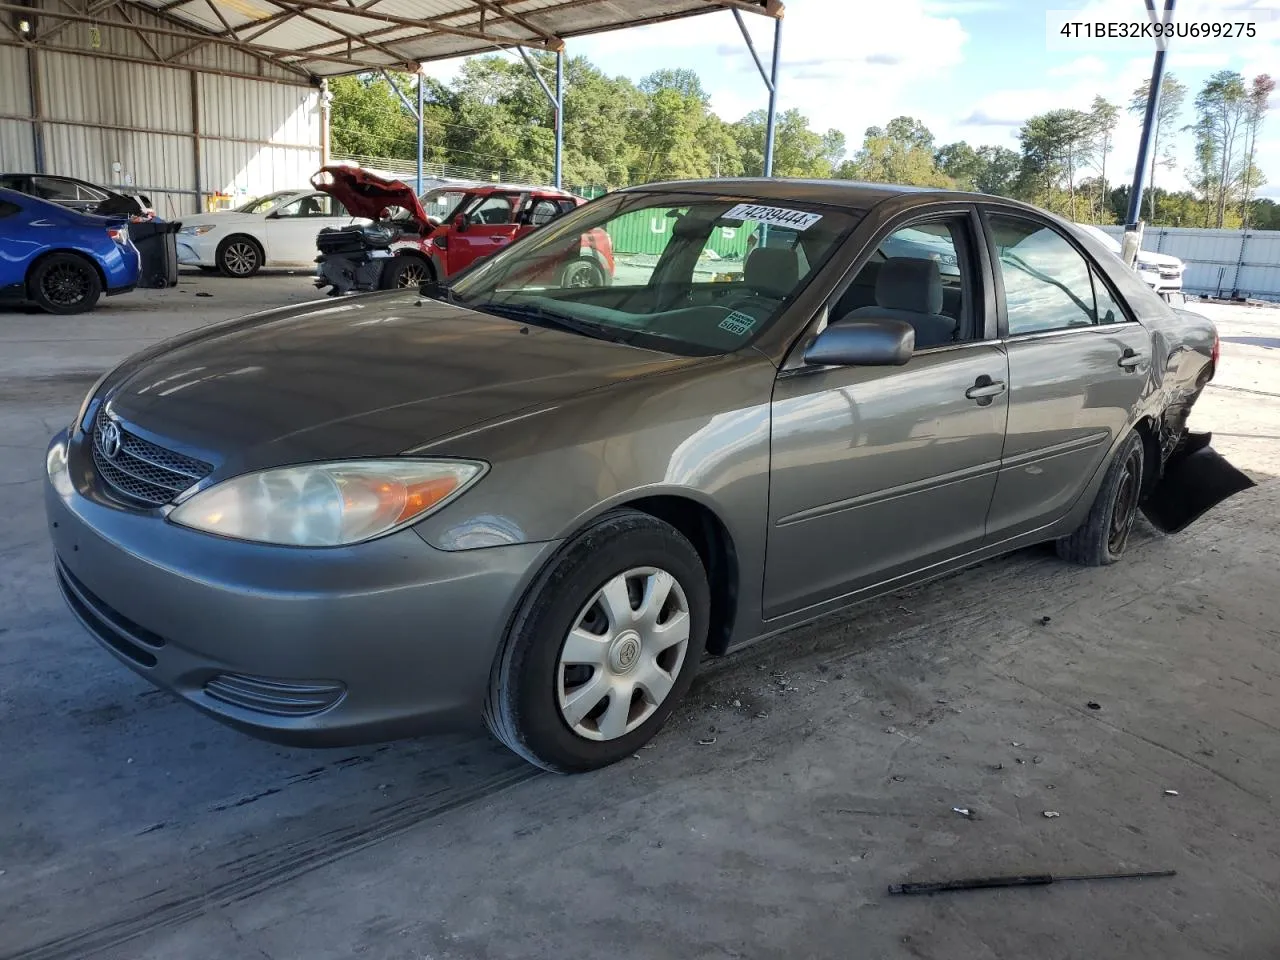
[[797, 150], [902, 152], [1255, 111], [1221, 107], [1103, 117], [1054, 146], [1172, 95]]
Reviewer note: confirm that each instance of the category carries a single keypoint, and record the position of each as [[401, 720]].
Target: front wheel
[[239, 256], [1101, 539], [605, 644], [65, 283], [402, 272], [583, 273]]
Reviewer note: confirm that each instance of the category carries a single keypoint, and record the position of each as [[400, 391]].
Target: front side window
[[1047, 284], [682, 281], [265, 204], [440, 204], [493, 210], [312, 205]]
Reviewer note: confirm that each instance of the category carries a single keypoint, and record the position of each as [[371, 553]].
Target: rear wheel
[[1103, 536], [582, 273], [240, 256], [65, 283], [603, 647], [403, 272]]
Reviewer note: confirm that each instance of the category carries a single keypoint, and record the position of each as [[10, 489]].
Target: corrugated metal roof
[[328, 38]]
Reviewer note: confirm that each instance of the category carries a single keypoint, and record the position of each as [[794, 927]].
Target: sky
[[971, 70]]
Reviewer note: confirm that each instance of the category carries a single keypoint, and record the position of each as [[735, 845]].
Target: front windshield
[[668, 271], [268, 203], [440, 203]]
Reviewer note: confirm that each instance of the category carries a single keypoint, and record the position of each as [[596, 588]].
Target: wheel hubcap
[[623, 655], [1124, 510], [65, 285], [412, 276], [241, 258]]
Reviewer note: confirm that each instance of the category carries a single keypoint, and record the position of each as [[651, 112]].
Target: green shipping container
[[649, 232]]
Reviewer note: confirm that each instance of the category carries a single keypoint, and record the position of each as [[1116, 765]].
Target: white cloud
[[1089, 66]]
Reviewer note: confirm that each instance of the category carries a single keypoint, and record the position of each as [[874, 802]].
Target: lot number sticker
[[774, 216], [738, 323]]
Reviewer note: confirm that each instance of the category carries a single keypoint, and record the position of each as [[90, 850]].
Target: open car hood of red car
[[366, 194]]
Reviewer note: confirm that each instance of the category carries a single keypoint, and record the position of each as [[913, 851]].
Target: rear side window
[[1109, 309], [1047, 284], [49, 188]]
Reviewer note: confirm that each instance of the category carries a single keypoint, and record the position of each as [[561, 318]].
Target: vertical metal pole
[[195, 139], [421, 132], [1133, 223], [559, 105], [37, 110], [771, 122], [324, 123]]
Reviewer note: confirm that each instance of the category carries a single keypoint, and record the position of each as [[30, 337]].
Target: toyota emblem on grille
[[109, 441]]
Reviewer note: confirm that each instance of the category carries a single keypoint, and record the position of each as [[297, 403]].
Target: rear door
[[291, 230], [877, 472], [1078, 365], [491, 225]]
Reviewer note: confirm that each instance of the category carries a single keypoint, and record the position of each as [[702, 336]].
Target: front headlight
[[1148, 266], [78, 423], [327, 504], [55, 463], [197, 231]]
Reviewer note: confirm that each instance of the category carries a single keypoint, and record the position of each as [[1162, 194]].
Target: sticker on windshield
[[775, 216], [737, 323]]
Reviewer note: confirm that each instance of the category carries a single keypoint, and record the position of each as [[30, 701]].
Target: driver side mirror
[[862, 342], [460, 223]]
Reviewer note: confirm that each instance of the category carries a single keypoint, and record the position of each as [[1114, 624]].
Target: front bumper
[[308, 647], [197, 251]]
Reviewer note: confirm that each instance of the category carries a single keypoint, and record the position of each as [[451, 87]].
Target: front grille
[[281, 698], [144, 471], [1170, 273]]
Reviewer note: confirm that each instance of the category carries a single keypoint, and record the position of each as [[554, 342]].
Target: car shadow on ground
[[1270, 342]]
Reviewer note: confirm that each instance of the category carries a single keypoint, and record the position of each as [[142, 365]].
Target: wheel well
[[262, 251], [97, 268], [711, 539], [417, 255], [1151, 458]]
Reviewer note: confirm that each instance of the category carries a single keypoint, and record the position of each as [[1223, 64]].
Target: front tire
[[240, 256], [583, 274], [65, 283], [403, 271], [603, 647], [1103, 536]]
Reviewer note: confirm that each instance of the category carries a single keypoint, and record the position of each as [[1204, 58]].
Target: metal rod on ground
[[421, 132], [1021, 880], [1133, 222]]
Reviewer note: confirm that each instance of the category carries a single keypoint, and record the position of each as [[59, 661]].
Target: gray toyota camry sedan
[[380, 515]]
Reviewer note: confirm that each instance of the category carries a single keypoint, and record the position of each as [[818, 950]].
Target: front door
[[491, 225], [1078, 364], [877, 472], [291, 230]]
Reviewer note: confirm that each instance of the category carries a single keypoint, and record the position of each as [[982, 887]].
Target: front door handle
[[984, 388], [1130, 358]]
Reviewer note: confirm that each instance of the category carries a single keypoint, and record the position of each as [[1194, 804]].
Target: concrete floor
[[766, 820]]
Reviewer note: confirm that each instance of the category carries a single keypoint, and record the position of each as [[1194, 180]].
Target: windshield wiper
[[541, 317]]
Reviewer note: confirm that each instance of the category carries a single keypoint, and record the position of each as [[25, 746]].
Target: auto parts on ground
[[1021, 880], [1196, 479], [353, 258]]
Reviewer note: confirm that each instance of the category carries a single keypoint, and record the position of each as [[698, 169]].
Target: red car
[[405, 246]]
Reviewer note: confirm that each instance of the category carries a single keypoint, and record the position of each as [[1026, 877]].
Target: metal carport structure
[[204, 85]]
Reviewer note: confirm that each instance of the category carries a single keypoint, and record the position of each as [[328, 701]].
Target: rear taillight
[[119, 234]]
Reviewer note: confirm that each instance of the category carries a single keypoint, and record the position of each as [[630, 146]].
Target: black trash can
[[157, 243]]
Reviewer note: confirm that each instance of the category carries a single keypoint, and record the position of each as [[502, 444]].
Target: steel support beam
[[770, 82], [556, 100], [37, 110], [421, 132], [1133, 219]]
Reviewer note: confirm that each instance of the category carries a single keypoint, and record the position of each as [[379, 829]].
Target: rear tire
[[603, 647], [240, 256], [1102, 538], [403, 272], [65, 284]]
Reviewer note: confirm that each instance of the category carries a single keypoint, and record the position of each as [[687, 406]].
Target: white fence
[[1220, 263]]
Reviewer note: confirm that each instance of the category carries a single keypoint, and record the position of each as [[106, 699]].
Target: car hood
[[223, 218], [366, 376], [365, 194], [1161, 259]]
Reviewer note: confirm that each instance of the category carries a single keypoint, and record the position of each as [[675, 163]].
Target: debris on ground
[[898, 779], [1015, 743], [1045, 620], [1094, 705], [1171, 793], [737, 703], [997, 766], [706, 741], [1052, 814], [762, 715], [203, 293], [964, 812], [1021, 880]]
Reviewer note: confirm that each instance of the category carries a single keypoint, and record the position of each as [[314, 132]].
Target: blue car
[[61, 260]]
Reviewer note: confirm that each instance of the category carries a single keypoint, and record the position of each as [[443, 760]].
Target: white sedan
[[276, 230]]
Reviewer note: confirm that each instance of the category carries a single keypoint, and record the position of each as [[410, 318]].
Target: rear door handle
[[984, 388], [1130, 358]]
